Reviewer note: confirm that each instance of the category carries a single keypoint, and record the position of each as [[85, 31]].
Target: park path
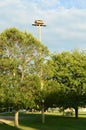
[[9, 119], [6, 119]]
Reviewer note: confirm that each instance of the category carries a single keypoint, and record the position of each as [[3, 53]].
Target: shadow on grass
[[4, 126], [53, 122]]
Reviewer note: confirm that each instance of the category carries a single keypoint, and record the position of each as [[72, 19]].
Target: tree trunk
[[76, 112], [16, 124], [43, 116]]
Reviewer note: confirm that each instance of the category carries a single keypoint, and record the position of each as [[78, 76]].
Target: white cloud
[[9, 2], [49, 3], [66, 28]]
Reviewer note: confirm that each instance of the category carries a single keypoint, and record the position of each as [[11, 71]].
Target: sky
[[65, 20]]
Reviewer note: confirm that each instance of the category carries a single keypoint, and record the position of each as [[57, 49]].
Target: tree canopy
[[28, 74], [21, 59], [68, 83]]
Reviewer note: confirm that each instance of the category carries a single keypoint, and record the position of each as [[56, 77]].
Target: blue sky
[[65, 20]]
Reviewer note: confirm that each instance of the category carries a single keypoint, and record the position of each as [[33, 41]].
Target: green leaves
[[69, 76], [19, 63]]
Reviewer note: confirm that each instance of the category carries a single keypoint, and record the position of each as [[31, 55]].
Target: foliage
[[18, 66], [21, 59], [68, 80], [29, 75]]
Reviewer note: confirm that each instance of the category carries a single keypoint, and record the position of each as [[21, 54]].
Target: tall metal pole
[[40, 23], [39, 33]]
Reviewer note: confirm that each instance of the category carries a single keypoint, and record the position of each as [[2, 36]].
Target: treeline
[[29, 74]]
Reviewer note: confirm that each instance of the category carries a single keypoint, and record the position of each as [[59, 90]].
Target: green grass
[[6, 127], [52, 122]]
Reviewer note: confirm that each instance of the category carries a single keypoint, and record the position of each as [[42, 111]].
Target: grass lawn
[[53, 122]]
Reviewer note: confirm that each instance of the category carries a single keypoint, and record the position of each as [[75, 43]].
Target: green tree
[[70, 80], [21, 61]]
